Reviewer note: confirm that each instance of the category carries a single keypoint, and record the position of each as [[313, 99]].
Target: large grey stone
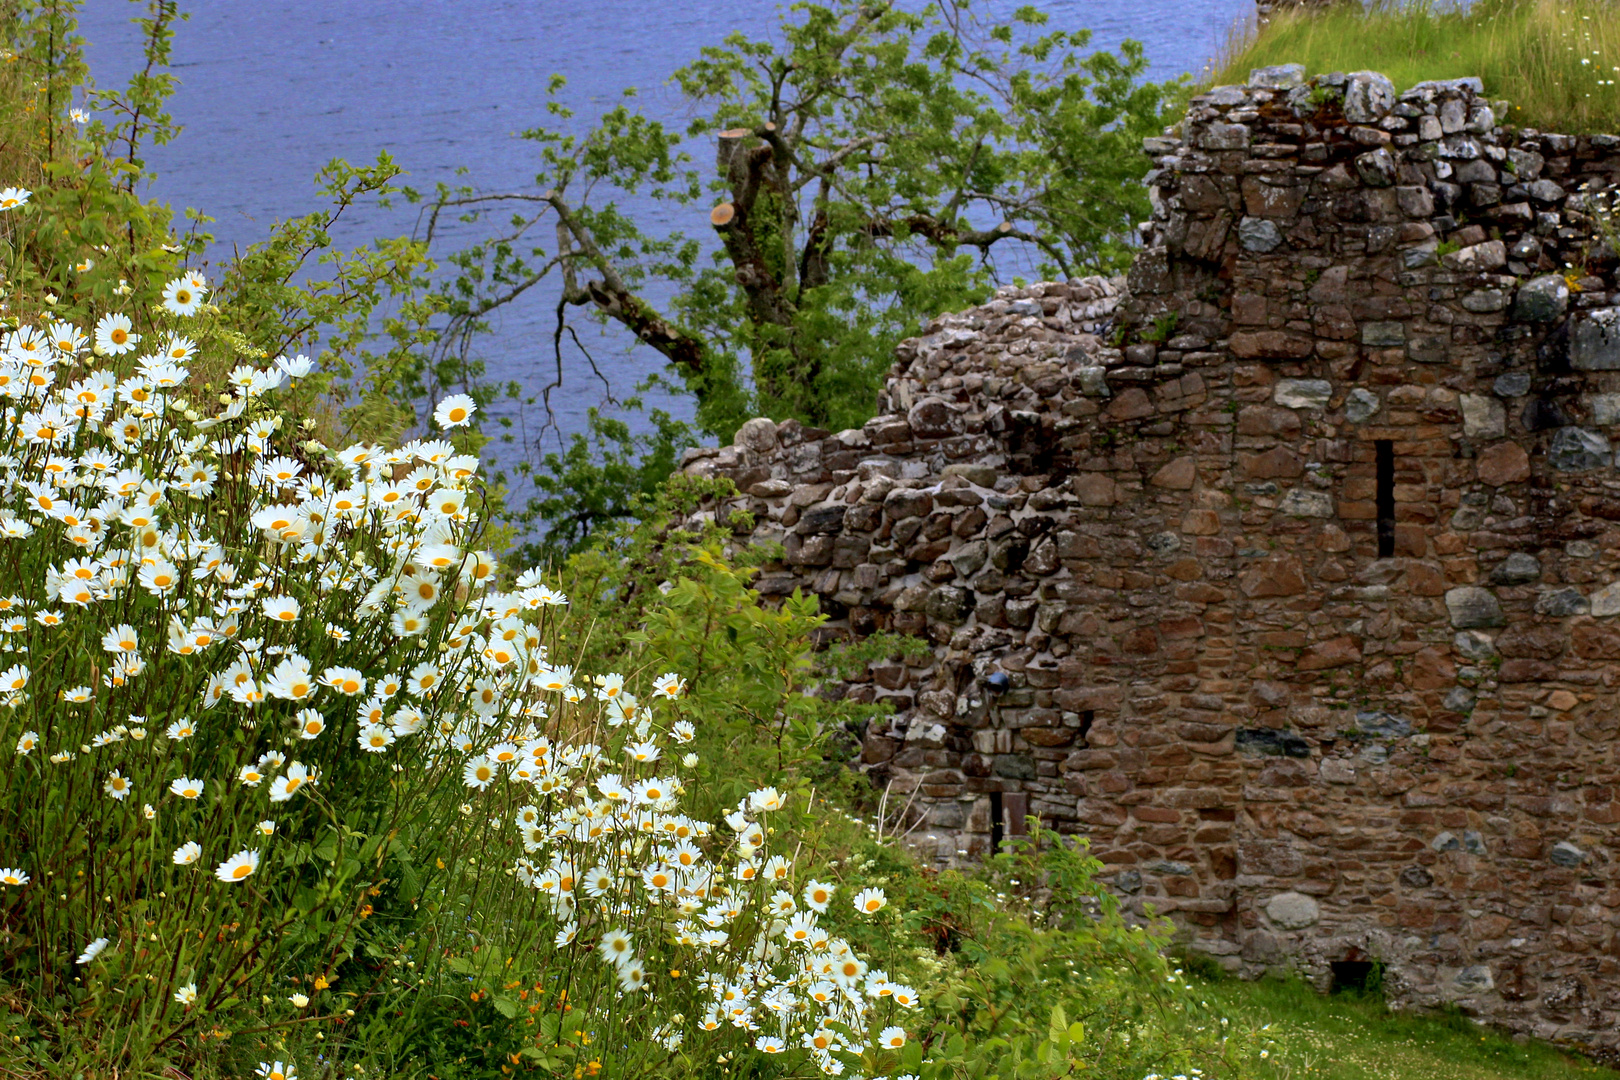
[[1383, 334], [1472, 645], [1293, 911], [1482, 301], [1519, 568], [1513, 384], [1377, 168], [1303, 393], [1169, 866], [1491, 255], [967, 559], [1453, 116], [758, 435], [1542, 299], [1368, 97], [1544, 191], [1361, 404], [1471, 607], [1218, 136], [1094, 382], [1605, 409], [1594, 340], [1461, 699], [1383, 725], [949, 604], [1565, 853], [1301, 503], [1277, 77], [1574, 449], [1560, 602], [1259, 235], [1484, 417], [1475, 979], [1606, 601]]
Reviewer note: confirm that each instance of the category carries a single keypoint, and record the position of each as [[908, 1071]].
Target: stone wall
[[1285, 571]]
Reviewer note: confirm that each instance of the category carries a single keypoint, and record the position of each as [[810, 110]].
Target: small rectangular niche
[[1384, 454]]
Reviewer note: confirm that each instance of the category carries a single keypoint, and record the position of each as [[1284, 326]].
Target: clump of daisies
[[245, 675]]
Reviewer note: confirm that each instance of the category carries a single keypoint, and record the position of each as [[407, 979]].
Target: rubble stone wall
[[1297, 551]]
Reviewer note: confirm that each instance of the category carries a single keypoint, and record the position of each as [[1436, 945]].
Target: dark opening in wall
[[996, 826], [1086, 719], [1385, 452], [1355, 976]]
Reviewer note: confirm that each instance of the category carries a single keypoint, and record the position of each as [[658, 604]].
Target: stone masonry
[[1285, 570]]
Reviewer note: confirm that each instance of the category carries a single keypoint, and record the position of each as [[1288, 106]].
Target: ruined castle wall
[[1298, 552]]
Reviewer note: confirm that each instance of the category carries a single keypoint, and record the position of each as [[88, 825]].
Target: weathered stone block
[[1484, 416], [1293, 911], [1377, 168], [1279, 575], [1303, 393], [1541, 299], [1519, 568], [1259, 235], [1368, 97], [1594, 340], [1271, 345], [1302, 502], [1470, 607], [1575, 449], [1383, 335], [1361, 405], [1503, 463], [1605, 602]]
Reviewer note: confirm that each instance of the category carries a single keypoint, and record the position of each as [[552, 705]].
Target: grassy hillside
[[1557, 61]]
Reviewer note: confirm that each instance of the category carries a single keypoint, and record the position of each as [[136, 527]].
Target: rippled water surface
[[272, 89]]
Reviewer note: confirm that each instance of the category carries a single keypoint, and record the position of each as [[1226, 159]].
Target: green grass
[[1529, 52], [1354, 1037]]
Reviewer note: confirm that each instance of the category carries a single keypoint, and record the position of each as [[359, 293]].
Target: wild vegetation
[[307, 776], [302, 781], [1557, 62]]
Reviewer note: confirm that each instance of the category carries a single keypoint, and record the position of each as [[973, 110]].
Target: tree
[[867, 169]]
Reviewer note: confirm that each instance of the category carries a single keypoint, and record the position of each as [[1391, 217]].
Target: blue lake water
[[270, 90]]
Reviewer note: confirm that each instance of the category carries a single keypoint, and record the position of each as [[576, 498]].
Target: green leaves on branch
[[863, 169]]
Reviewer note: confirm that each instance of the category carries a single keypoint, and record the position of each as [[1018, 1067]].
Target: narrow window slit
[[1385, 452], [996, 827]]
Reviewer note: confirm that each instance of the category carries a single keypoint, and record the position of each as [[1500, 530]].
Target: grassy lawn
[[1556, 61], [1353, 1037]]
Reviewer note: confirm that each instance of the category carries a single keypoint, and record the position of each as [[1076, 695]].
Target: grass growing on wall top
[[1557, 61]]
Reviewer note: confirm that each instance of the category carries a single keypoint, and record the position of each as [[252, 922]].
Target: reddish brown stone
[[1279, 575], [1094, 489], [1271, 345], [1504, 463], [1201, 523], [1133, 404], [1267, 420], [1142, 641], [1336, 652], [1277, 463], [1177, 475]]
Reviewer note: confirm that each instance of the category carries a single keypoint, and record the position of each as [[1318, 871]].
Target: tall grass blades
[[1556, 61]]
